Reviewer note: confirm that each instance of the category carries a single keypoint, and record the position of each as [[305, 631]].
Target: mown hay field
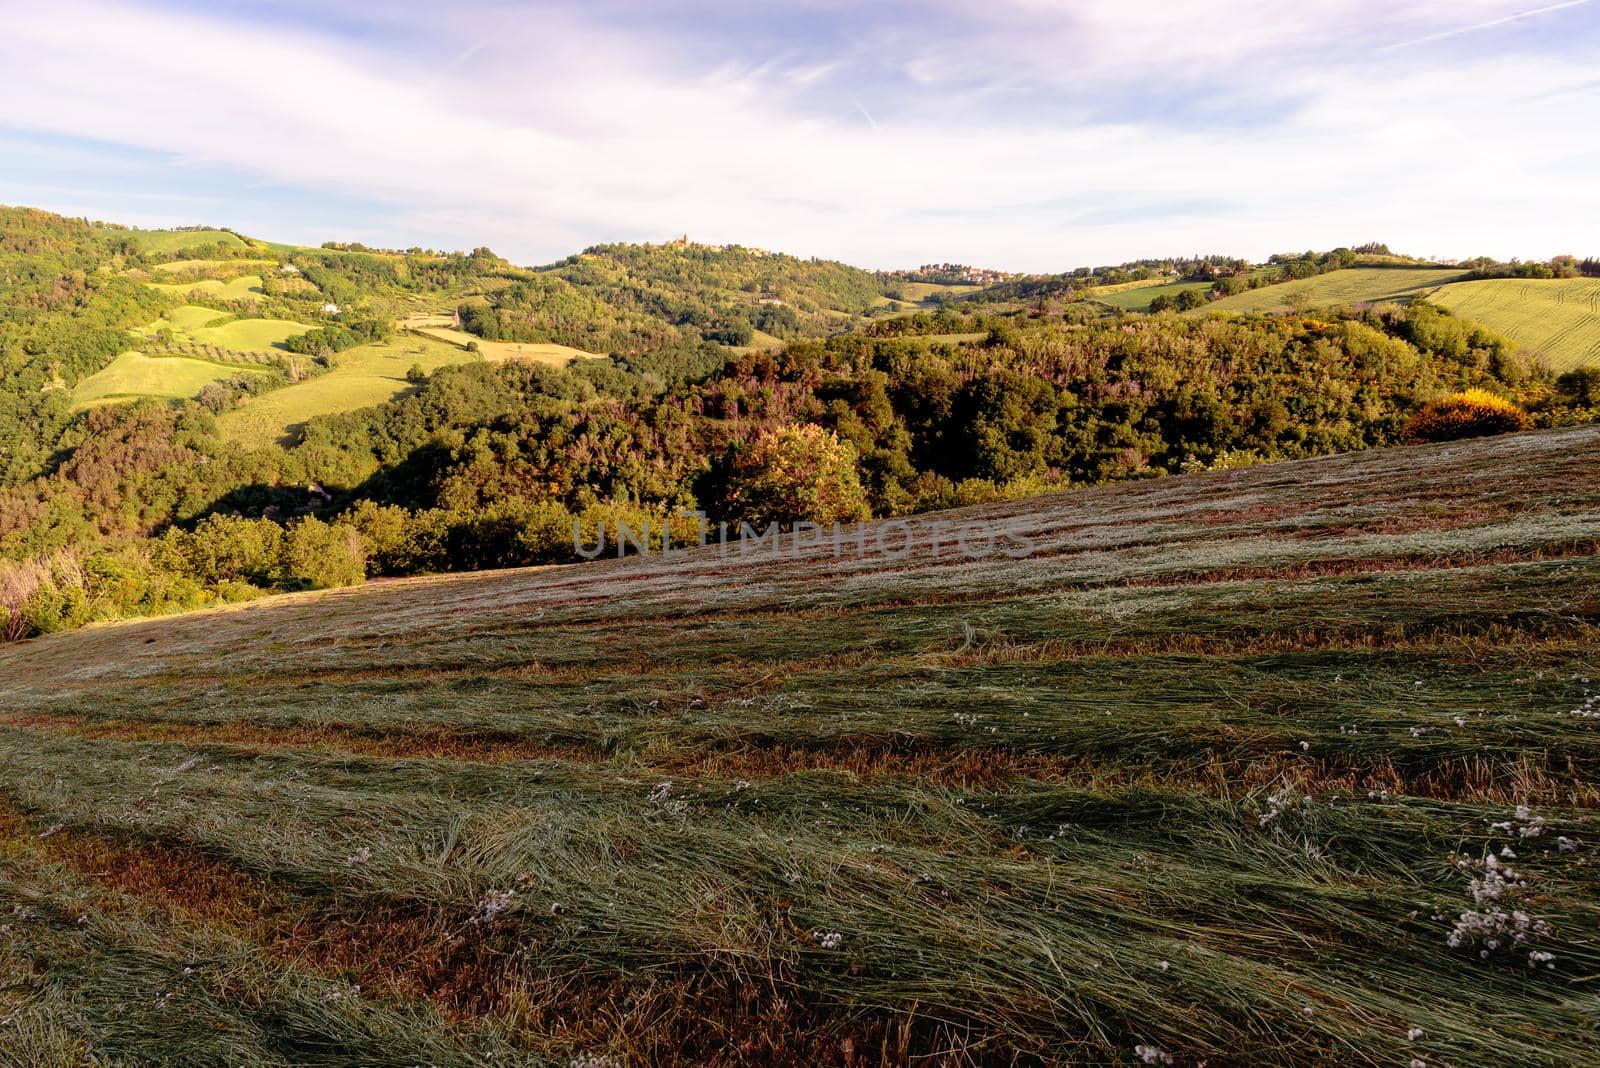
[[1556, 318], [1289, 765], [1355, 285]]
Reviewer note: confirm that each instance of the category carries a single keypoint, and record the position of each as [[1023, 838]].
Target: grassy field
[[134, 374], [556, 355], [245, 287], [1557, 318], [1209, 775], [194, 322], [1139, 296], [164, 241], [1357, 285], [251, 335], [366, 375]]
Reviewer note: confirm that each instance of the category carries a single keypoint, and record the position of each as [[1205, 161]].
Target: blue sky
[[1022, 134]]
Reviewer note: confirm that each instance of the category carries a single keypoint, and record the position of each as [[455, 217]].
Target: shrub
[[1580, 388], [1474, 413]]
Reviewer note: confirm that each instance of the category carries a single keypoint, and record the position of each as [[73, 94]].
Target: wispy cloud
[[1489, 24], [1017, 133]]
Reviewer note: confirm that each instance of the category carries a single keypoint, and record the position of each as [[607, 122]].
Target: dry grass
[[1203, 760]]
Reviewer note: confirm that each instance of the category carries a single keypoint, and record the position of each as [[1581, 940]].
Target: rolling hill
[[1209, 768], [1557, 318], [1354, 285]]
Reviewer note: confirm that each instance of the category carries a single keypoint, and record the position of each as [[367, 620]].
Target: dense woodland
[[145, 507]]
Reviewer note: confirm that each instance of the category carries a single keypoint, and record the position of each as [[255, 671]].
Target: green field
[[250, 335], [366, 375], [168, 241], [188, 317], [194, 322], [1556, 318], [245, 287], [1210, 771], [133, 374], [1137, 297], [1356, 285]]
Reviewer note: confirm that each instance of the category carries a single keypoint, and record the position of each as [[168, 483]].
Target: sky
[[1027, 135]]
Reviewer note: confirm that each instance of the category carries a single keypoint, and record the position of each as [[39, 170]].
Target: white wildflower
[[492, 906], [1152, 1054]]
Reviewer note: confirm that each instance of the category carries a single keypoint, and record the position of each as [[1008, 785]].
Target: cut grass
[[1556, 318], [133, 375], [1194, 775], [1356, 285], [363, 376]]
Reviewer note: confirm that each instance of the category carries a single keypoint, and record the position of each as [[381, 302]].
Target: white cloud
[[539, 133]]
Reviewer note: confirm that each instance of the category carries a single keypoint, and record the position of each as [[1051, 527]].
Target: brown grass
[[707, 1013]]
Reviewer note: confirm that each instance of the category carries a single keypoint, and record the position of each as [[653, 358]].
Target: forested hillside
[[330, 414]]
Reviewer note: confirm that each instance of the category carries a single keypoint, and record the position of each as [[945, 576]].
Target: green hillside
[[168, 242], [364, 376], [1557, 318], [1138, 298], [1356, 285], [133, 374], [1211, 770]]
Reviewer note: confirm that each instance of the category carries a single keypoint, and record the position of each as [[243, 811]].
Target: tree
[[318, 555], [793, 474]]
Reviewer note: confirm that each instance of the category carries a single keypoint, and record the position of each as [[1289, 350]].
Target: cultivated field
[[1288, 765], [1557, 318], [1357, 285], [133, 375], [363, 376]]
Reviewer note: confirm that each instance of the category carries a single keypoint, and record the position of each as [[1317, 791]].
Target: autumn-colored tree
[[794, 474]]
